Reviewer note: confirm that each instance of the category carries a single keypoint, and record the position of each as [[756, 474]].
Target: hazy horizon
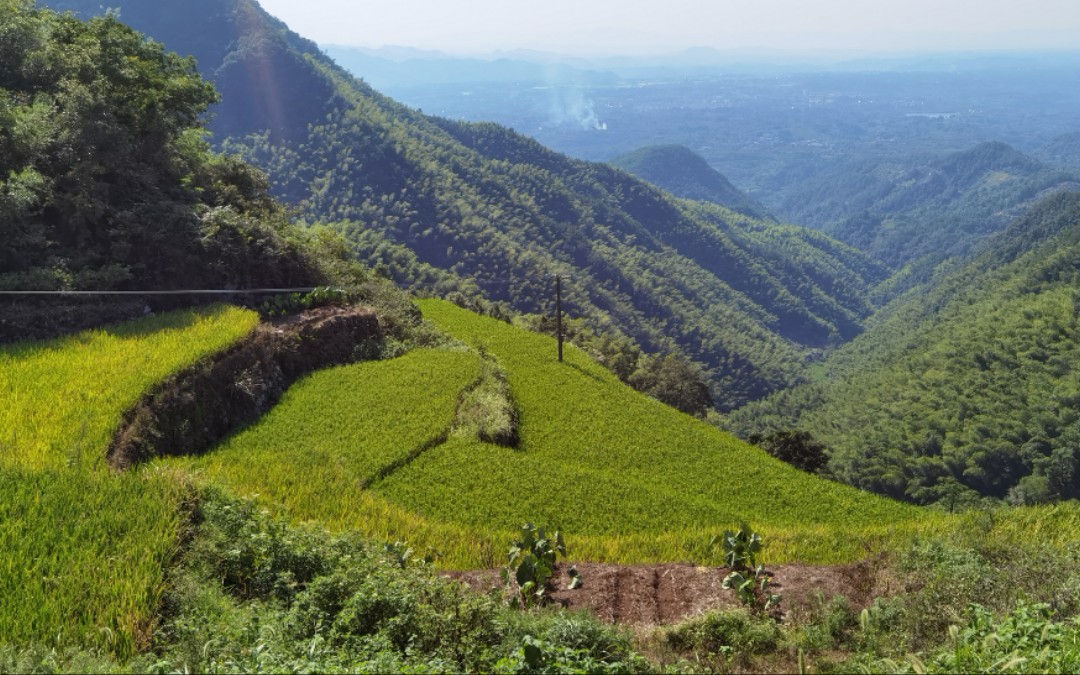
[[635, 27]]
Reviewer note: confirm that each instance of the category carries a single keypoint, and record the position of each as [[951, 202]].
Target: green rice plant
[[341, 430], [83, 550], [577, 415], [62, 399], [371, 447], [600, 459]]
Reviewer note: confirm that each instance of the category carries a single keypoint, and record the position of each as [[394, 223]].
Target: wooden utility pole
[[558, 312]]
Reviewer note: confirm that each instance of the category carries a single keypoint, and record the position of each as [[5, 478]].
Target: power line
[[201, 291]]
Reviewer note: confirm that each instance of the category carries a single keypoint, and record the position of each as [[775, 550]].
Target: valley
[[817, 411]]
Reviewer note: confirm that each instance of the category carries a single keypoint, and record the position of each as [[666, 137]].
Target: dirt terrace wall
[[194, 410]]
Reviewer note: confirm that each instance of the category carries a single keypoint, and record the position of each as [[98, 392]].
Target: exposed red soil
[[654, 595], [194, 410]]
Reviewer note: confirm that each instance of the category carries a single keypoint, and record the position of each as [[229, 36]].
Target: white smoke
[[569, 106]]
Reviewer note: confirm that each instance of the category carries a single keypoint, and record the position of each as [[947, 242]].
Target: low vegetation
[[486, 410]]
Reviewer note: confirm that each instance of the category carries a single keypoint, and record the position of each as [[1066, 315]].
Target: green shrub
[[532, 564], [831, 624], [725, 633], [1025, 640], [539, 656], [486, 410]]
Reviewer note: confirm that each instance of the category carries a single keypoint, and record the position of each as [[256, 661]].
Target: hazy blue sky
[[622, 26]]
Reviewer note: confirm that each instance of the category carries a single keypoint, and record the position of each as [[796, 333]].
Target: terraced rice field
[[339, 430], [629, 478], [83, 551], [375, 448]]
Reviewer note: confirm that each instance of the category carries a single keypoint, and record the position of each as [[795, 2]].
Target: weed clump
[[486, 410]]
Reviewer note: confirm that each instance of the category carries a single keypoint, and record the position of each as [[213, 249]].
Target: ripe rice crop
[[339, 429], [83, 550], [62, 399], [629, 478], [83, 555]]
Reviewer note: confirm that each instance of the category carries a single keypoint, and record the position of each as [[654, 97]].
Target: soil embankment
[[664, 594], [194, 410]]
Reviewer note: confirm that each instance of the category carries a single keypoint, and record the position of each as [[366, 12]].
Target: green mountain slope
[[973, 385], [1061, 151], [684, 173], [240, 48], [484, 211], [901, 212]]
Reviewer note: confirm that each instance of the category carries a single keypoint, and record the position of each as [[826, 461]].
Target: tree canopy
[[106, 179]]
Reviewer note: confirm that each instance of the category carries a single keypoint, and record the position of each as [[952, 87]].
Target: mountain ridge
[[903, 211], [480, 210], [966, 388]]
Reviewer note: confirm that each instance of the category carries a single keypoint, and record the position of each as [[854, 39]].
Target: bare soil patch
[[194, 410], [663, 594]]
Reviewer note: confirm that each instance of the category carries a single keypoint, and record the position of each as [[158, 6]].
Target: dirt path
[[652, 595]]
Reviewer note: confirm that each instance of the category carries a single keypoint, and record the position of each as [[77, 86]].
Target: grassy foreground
[[83, 551]]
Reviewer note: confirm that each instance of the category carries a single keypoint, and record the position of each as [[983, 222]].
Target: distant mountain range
[[900, 211], [418, 66], [402, 67]]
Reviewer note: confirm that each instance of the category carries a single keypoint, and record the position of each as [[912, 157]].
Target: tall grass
[[83, 550]]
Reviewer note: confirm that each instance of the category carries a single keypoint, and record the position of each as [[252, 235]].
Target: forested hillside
[[486, 212], [901, 211], [1062, 151], [684, 173], [106, 181], [968, 389]]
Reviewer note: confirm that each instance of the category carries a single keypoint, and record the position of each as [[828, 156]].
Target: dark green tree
[[797, 448]]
